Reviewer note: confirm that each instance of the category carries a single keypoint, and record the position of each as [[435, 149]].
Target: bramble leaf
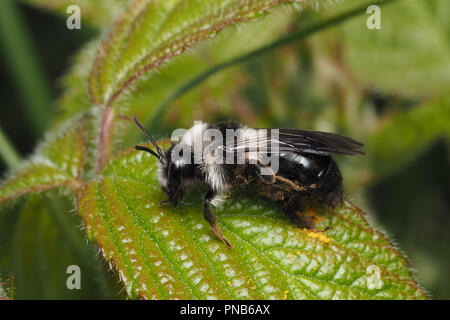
[[152, 91], [172, 253], [58, 162], [150, 32]]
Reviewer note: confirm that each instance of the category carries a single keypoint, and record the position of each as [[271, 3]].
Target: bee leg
[[301, 220], [211, 218], [265, 173], [163, 203], [295, 208]]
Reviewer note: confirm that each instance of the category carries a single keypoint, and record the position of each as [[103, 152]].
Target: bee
[[305, 169]]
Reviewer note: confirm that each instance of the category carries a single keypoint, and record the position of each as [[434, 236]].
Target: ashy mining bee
[[303, 166]]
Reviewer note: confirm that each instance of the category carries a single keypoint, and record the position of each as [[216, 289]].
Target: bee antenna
[[149, 137], [142, 148]]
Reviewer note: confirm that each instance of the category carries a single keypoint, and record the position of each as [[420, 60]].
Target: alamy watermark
[[73, 22], [374, 279], [374, 20], [74, 280]]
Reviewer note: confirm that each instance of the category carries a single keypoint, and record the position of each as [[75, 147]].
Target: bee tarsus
[[211, 218]]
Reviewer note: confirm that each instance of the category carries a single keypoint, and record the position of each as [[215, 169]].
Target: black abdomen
[[309, 169]]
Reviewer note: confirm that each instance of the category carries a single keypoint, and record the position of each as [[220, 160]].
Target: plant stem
[[24, 66], [293, 37], [105, 137], [7, 152]]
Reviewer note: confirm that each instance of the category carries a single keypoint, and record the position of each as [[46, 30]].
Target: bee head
[[173, 176], [170, 173]]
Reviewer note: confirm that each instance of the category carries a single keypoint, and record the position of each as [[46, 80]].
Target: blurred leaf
[[97, 13], [171, 253], [39, 242], [58, 162], [8, 152], [440, 8], [406, 135], [413, 204], [410, 55], [20, 56], [75, 97], [150, 32]]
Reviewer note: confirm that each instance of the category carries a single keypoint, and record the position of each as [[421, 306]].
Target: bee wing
[[297, 141]]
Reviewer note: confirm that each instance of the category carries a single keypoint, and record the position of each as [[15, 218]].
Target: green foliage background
[[388, 88]]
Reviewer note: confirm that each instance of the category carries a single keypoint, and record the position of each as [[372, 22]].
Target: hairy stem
[[105, 137]]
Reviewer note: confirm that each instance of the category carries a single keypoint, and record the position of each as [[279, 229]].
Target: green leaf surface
[[58, 162], [150, 32], [172, 253]]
